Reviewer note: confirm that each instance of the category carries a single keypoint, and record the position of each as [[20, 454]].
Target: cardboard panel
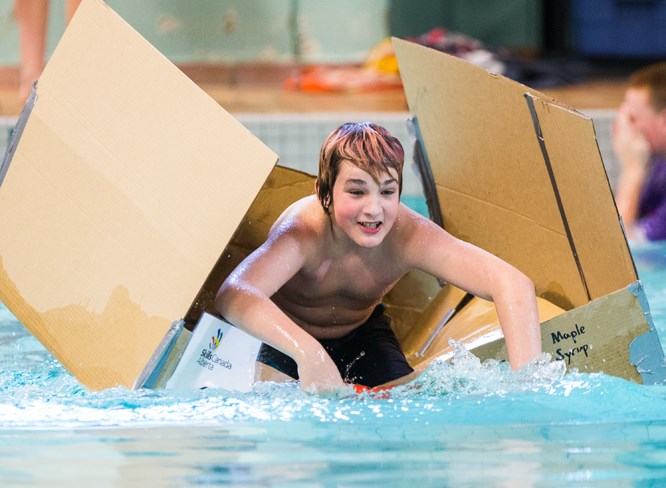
[[586, 197], [511, 236], [494, 186], [126, 184]]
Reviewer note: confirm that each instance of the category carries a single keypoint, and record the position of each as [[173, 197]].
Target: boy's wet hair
[[367, 146]]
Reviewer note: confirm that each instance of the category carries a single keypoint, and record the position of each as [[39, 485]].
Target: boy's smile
[[364, 209], [370, 227]]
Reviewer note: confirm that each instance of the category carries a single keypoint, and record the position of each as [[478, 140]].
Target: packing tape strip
[[645, 351], [18, 132], [150, 374]]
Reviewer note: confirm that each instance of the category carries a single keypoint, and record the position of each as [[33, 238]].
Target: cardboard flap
[[494, 187], [127, 183], [578, 177]]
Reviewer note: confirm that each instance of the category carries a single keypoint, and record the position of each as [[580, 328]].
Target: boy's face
[[363, 209]]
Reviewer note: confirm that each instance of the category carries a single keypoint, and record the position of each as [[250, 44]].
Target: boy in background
[[639, 141]]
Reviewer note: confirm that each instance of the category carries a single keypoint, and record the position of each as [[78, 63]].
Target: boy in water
[[312, 292]]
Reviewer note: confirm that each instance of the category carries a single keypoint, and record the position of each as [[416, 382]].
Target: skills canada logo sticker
[[215, 340], [208, 358]]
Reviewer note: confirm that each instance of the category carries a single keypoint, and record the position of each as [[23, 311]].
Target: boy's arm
[[437, 252], [244, 300]]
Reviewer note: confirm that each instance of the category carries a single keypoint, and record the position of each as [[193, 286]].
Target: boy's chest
[[349, 276]]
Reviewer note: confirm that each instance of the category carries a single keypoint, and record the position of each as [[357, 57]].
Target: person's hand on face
[[629, 143]]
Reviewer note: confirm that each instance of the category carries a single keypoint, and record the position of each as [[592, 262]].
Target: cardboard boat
[[127, 196]]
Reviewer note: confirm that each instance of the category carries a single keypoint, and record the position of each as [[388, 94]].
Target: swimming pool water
[[467, 424]]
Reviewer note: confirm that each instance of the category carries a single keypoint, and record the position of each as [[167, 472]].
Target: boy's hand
[[633, 151], [318, 373], [629, 144]]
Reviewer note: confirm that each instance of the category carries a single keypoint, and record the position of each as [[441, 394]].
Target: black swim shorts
[[369, 355]]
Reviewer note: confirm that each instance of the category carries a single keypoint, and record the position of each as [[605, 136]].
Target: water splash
[[36, 392], [465, 374]]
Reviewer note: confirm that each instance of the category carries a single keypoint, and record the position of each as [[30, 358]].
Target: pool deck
[[256, 88]]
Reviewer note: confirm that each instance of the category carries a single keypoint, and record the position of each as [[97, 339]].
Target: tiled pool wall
[[296, 138]]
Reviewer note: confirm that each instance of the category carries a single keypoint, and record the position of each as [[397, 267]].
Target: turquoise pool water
[[470, 424]]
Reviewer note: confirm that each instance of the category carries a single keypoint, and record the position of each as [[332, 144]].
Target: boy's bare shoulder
[[416, 231], [303, 220], [410, 221]]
